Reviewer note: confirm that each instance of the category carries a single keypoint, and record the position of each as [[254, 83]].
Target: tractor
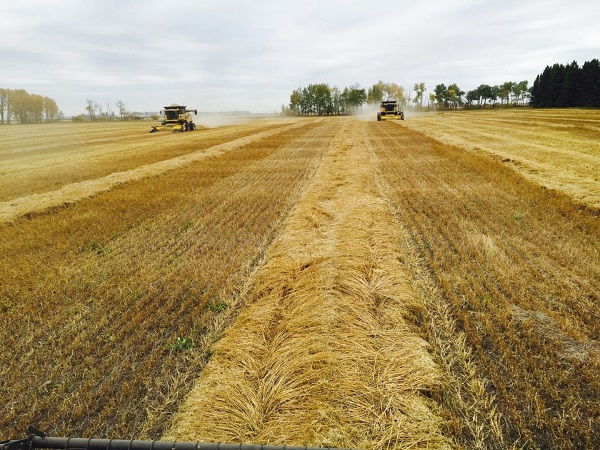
[[176, 118], [389, 110]]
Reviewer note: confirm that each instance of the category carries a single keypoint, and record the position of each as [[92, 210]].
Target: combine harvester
[[37, 439], [389, 110], [176, 118]]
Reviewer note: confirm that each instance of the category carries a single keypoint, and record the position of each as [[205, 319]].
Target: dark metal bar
[[61, 443]]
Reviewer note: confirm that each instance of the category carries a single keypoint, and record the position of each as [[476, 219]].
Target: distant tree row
[[567, 86], [95, 111], [17, 105], [452, 97], [385, 91], [323, 100]]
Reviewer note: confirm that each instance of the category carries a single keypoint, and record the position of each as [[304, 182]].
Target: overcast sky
[[218, 55]]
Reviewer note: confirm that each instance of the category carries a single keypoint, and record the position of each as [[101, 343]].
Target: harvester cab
[[389, 110], [176, 118]]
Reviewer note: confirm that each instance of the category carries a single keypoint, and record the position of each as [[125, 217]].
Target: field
[[431, 283]]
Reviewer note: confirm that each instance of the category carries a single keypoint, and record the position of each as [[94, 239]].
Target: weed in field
[[217, 306], [180, 344], [97, 248], [187, 224]]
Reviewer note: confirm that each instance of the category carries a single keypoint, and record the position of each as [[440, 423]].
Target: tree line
[[95, 111], [558, 86], [508, 93], [321, 99], [18, 105], [567, 86], [324, 100]]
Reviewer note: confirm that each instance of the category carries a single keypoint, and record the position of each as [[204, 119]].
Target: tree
[[356, 97], [472, 96], [4, 105], [441, 95], [51, 112], [486, 93], [568, 89], [392, 91], [588, 94], [90, 109], [419, 89], [455, 96], [321, 99], [98, 109], [323, 103], [375, 94], [504, 92], [296, 102], [121, 107], [563, 86], [385, 91]]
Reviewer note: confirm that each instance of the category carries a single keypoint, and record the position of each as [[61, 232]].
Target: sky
[[227, 55]]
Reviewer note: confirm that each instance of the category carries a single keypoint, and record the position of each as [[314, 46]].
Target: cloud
[[230, 54]]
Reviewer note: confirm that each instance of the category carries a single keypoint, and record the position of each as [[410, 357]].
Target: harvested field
[[318, 282], [558, 149], [324, 353]]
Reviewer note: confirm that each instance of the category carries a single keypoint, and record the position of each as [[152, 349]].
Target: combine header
[[37, 439], [389, 110], [176, 118]]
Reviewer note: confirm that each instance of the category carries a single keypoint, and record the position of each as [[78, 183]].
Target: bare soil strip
[[513, 270], [75, 192], [324, 353], [95, 296]]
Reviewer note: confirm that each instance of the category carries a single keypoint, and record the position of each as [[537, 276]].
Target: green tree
[[419, 89], [441, 95], [505, 91], [588, 94], [485, 92], [323, 101], [431, 100], [568, 88], [356, 97], [296, 102], [472, 96], [455, 96]]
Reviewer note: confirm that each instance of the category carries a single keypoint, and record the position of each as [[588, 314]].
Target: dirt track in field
[[378, 288]]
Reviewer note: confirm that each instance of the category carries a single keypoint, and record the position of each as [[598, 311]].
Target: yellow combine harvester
[[176, 118], [389, 110]]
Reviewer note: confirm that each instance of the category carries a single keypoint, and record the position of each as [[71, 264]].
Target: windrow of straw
[[324, 353], [511, 280], [46, 158], [108, 307], [74, 192], [558, 149]]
